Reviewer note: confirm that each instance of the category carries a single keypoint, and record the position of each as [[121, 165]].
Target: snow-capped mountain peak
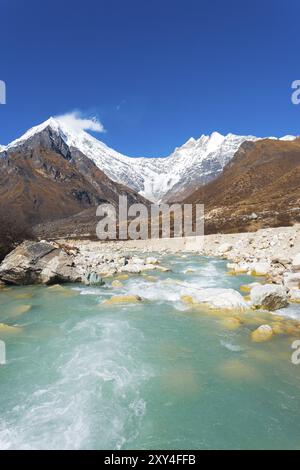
[[196, 162]]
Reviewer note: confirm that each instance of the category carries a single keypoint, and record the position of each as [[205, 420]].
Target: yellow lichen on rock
[[254, 320], [290, 328], [56, 287], [9, 329], [163, 269], [20, 309], [278, 328], [122, 277], [231, 323], [279, 318], [123, 299], [262, 333], [187, 299], [261, 355], [285, 327], [245, 288], [234, 369], [24, 295], [150, 278]]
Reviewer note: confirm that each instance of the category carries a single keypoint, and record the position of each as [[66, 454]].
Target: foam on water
[[291, 311], [231, 347], [97, 392]]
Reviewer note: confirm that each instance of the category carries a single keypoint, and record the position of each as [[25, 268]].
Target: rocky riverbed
[[272, 255]]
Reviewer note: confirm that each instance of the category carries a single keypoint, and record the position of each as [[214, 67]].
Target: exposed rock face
[[49, 262], [43, 180], [269, 296], [34, 263]]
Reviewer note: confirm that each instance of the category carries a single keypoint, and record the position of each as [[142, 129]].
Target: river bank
[[275, 247], [272, 255], [272, 252]]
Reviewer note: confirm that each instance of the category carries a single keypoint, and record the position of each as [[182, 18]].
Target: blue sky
[[154, 73]]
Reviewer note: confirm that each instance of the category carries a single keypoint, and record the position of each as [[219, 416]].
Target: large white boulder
[[38, 263], [261, 268], [224, 299], [269, 296], [131, 268]]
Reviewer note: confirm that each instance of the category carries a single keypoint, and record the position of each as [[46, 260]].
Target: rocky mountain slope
[[169, 178], [43, 179], [259, 187]]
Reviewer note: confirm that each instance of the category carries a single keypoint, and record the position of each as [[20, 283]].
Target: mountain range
[[55, 173]]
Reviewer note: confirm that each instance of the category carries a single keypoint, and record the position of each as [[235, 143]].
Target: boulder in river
[[123, 299], [38, 263], [220, 299], [262, 333], [261, 268], [269, 296]]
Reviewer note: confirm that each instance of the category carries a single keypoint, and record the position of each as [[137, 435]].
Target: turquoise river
[[157, 374]]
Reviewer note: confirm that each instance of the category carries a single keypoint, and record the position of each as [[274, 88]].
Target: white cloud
[[76, 121]]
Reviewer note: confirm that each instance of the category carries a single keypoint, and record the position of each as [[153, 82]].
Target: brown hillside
[[259, 187], [40, 183]]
